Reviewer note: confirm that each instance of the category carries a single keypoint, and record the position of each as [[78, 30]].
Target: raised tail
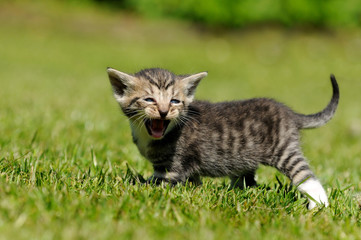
[[321, 118]]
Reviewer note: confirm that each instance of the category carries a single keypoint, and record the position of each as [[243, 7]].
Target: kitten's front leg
[[195, 179], [173, 178], [167, 177], [155, 180]]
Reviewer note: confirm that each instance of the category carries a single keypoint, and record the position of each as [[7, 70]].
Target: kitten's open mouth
[[156, 127]]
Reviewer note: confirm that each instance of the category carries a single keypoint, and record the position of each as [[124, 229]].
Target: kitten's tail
[[321, 118]]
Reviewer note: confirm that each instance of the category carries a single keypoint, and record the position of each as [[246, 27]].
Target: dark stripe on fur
[[171, 83], [150, 79], [282, 149], [133, 101], [291, 155], [303, 168], [128, 112], [294, 163]]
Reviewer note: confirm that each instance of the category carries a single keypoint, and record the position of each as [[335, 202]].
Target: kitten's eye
[[174, 101], [150, 100]]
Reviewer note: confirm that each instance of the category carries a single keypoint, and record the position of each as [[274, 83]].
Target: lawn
[[69, 169]]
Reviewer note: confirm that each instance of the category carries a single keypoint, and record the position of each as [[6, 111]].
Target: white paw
[[311, 204], [314, 189]]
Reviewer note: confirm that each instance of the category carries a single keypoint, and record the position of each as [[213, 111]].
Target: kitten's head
[[154, 98]]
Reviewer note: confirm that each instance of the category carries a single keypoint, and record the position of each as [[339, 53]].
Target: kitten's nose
[[163, 113]]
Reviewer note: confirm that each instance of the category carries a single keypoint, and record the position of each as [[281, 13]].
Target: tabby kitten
[[186, 139]]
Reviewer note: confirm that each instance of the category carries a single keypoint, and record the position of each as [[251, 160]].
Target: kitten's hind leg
[[245, 180], [294, 165], [314, 189]]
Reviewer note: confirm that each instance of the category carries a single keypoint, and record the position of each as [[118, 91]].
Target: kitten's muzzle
[[163, 113]]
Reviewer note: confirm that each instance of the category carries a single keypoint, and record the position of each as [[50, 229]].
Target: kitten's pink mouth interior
[[156, 127]]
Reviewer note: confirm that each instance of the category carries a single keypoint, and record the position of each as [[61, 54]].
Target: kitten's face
[[154, 100]]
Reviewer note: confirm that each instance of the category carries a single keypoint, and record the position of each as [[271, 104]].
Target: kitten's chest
[[142, 141], [156, 151], [153, 152]]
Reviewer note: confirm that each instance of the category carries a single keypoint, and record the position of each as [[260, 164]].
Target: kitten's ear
[[120, 81], [191, 82]]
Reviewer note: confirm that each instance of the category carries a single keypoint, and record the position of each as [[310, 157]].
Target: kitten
[[186, 139]]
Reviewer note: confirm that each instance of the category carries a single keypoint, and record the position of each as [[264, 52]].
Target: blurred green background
[[57, 112], [246, 13]]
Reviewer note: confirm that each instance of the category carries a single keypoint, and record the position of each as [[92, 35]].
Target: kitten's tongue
[[157, 128]]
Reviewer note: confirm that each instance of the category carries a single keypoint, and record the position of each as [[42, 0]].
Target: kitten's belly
[[222, 166]]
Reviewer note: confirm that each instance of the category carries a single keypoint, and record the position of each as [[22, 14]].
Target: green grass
[[69, 169]]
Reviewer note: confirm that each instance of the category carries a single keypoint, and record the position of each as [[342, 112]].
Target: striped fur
[[186, 139]]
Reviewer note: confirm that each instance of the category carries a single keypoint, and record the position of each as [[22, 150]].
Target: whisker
[[135, 115], [140, 120], [189, 118], [185, 120], [191, 111], [137, 120]]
